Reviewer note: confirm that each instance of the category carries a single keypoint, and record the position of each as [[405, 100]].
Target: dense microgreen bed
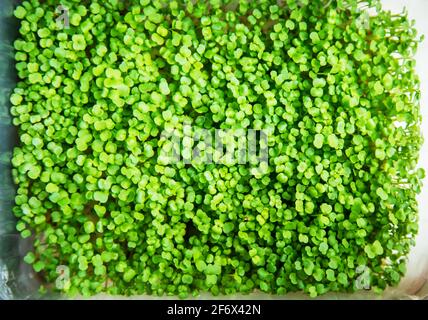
[[332, 82]]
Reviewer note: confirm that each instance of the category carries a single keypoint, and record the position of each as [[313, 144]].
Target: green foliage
[[340, 188]]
